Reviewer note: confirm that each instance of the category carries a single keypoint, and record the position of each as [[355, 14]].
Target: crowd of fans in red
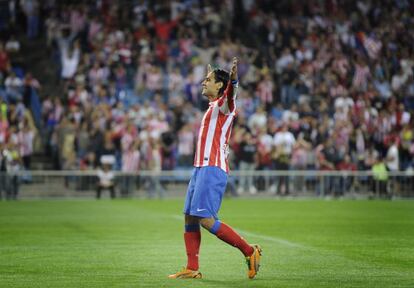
[[324, 85]]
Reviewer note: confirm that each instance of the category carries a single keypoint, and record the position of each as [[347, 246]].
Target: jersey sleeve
[[227, 102]]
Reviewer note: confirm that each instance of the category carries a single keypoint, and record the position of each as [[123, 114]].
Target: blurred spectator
[[371, 156], [70, 61], [26, 137], [185, 150], [392, 160], [284, 142], [247, 152], [66, 143], [105, 178], [4, 60], [82, 140], [31, 10], [12, 164], [380, 174], [131, 165], [407, 135], [300, 160], [30, 83], [258, 119], [3, 176], [265, 90], [12, 45], [14, 87], [326, 161], [153, 184], [168, 141], [345, 181]]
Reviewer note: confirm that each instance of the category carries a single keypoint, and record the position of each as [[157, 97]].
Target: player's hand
[[209, 69], [233, 71]]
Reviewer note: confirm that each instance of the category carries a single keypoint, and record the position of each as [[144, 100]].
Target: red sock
[[192, 245], [228, 235]]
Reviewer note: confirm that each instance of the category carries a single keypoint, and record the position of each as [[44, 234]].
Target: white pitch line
[[272, 239], [260, 236]]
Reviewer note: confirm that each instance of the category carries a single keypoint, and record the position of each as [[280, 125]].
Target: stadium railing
[[352, 184]]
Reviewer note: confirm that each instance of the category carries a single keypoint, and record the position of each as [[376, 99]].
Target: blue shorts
[[205, 192]]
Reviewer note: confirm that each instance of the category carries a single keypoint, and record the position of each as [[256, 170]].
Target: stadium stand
[[325, 85]]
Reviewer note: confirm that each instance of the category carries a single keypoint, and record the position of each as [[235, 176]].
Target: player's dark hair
[[222, 76]]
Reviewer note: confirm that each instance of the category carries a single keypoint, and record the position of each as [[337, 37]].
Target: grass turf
[[137, 243]]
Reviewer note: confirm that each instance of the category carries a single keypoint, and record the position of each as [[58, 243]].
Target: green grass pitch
[[137, 243]]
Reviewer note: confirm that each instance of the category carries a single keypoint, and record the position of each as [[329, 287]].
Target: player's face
[[210, 86]]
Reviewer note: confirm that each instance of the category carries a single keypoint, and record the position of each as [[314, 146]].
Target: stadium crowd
[[17, 126], [325, 85]]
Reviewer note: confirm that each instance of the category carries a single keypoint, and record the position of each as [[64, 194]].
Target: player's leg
[[209, 191], [192, 239], [227, 234], [192, 236]]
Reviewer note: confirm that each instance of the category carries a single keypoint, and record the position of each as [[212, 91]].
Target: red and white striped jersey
[[213, 137], [130, 161]]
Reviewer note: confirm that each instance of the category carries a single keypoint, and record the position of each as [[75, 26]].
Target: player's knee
[[207, 223], [190, 220]]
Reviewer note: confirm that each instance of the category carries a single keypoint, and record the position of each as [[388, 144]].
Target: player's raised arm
[[233, 83], [233, 71], [231, 90]]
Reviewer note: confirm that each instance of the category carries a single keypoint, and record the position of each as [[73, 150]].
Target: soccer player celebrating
[[209, 178]]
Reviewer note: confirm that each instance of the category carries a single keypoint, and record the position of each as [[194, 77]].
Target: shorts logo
[[199, 210]]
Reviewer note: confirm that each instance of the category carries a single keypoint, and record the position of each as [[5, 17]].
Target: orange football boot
[[253, 261], [186, 274]]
